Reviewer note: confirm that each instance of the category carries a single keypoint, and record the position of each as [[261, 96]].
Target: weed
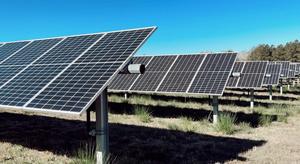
[[85, 155], [265, 120], [226, 123], [143, 114], [187, 124]]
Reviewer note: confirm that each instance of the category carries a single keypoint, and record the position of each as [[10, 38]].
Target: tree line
[[288, 52]]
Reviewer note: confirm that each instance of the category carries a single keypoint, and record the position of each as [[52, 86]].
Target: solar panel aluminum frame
[[105, 85], [68, 36], [278, 80], [178, 93], [237, 87]]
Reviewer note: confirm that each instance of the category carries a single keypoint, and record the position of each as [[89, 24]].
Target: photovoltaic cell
[[181, 73], [272, 74], [7, 72], [292, 71], [75, 87], [24, 86], [233, 80], [284, 68], [69, 49], [9, 49], [252, 75], [114, 47], [31, 52], [297, 69], [124, 81], [213, 74], [154, 74]]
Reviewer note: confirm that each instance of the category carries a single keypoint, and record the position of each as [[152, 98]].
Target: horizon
[[183, 27]]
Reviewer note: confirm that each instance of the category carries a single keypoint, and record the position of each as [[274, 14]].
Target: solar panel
[[251, 75], [7, 72], [69, 49], [237, 69], [156, 70], [297, 69], [24, 86], [284, 69], [272, 74], [31, 52], [181, 74], [124, 81], [9, 49], [65, 74], [193, 73], [292, 71], [213, 74]]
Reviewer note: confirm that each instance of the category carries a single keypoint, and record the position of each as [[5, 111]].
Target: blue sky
[[183, 26]]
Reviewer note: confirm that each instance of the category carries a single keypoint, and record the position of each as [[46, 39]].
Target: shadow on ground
[[128, 143], [196, 114]]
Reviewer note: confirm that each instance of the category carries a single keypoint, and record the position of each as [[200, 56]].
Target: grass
[[226, 123], [265, 120], [245, 126], [143, 114], [184, 124], [85, 155], [187, 124], [173, 126], [282, 118]]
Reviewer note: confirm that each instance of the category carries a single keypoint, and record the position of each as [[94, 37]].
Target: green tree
[[261, 52]]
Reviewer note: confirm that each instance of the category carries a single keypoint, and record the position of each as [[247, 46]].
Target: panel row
[[202, 73], [64, 74]]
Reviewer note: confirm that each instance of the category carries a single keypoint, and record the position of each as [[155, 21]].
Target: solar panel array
[[272, 74], [64, 74], [250, 74], [191, 74]]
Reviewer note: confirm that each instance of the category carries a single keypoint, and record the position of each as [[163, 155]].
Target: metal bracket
[[94, 132]]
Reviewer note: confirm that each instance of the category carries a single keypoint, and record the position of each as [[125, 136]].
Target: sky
[[184, 26]]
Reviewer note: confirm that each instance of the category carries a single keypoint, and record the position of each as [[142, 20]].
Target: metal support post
[[215, 105], [294, 83], [281, 89], [102, 146], [88, 120], [270, 93], [251, 98]]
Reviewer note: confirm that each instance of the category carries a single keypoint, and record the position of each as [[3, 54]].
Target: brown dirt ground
[[29, 138]]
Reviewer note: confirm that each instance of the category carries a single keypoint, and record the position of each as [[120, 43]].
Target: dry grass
[[226, 123], [143, 136]]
